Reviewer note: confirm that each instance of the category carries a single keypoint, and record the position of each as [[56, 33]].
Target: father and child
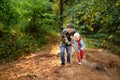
[[69, 37]]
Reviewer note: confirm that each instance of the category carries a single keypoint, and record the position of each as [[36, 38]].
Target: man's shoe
[[63, 64], [68, 62]]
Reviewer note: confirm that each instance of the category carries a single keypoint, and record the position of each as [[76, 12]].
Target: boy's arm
[[82, 44]]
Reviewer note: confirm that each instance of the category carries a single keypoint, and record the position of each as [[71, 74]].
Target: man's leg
[[62, 52], [69, 53]]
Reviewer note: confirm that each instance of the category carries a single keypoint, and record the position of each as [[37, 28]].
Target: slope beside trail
[[98, 64]]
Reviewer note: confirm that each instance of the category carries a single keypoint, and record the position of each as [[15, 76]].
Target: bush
[[14, 46]]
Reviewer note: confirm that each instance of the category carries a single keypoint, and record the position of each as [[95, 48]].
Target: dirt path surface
[[98, 64]]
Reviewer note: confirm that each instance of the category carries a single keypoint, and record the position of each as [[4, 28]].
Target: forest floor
[[98, 64]]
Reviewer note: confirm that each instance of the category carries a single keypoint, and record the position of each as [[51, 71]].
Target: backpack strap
[[81, 51]]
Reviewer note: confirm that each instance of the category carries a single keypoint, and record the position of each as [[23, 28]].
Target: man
[[66, 43]]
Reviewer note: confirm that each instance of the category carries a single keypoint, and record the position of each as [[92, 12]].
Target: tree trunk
[[61, 13]]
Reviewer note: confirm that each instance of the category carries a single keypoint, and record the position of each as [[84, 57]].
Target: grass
[[91, 42], [96, 41]]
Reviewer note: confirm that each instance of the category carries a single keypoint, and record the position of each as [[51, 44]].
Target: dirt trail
[[98, 64]]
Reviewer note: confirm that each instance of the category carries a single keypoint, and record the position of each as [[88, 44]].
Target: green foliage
[[99, 15], [25, 26], [14, 45], [99, 18]]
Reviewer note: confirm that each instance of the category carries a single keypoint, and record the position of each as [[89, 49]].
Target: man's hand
[[72, 37], [69, 43]]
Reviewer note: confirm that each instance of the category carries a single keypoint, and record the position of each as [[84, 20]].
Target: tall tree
[[61, 13]]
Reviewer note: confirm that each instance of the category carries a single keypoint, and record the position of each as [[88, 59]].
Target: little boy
[[79, 47]]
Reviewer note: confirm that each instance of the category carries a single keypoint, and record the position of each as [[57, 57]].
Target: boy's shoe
[[80, 63]]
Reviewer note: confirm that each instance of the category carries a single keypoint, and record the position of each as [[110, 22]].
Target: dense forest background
[[28, 25]]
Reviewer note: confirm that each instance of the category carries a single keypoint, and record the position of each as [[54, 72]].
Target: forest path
[[98, 64]]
